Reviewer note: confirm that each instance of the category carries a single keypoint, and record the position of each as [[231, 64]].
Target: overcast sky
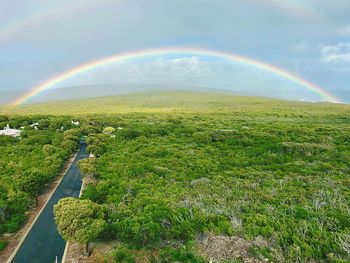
[[311, 38]]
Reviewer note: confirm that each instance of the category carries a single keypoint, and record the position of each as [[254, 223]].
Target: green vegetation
[[3, 244], [197, 176], [87, 167], [168, 178], [109, 130], [79, 220], [183, 102], [28, 164]]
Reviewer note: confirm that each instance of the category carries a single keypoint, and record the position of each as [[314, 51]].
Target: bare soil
[[100, 253], [222, 248]]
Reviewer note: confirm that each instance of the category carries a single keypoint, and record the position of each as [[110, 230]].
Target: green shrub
[[3, 244], [183, 254], [125, 255]]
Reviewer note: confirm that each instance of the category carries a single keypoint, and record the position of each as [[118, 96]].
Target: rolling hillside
[[192, 176], [178, 101]]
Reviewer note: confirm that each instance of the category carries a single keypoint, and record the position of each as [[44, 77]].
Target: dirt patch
[[100, 253], [14, 239], [221, 248]]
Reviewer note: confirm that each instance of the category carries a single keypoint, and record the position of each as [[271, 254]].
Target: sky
[[40, 39]]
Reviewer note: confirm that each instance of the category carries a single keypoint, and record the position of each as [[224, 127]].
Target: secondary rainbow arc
[[176, 51], [16, 26]]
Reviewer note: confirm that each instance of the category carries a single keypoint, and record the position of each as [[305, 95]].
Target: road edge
[[41, 210], [65, 252]]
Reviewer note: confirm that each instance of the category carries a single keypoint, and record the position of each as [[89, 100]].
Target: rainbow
[[175, 51], [56, 11], [19, 24]]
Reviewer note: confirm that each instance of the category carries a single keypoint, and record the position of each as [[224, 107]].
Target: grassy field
[[197, 176], [179, 101]]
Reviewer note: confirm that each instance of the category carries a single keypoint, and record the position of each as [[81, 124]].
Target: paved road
[[44, 243]]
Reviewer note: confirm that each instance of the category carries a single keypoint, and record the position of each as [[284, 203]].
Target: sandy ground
[[100, 253], [14, 239]]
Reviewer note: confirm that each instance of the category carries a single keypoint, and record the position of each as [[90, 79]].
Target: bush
[[123, 254], [5, 140], [183, 254], [3, 244], [14, 224]]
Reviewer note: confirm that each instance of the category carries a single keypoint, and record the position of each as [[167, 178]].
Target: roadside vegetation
[[222, 178], [29, 163], [186, 180]]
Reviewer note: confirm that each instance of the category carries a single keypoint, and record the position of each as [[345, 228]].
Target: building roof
[[10, 132]]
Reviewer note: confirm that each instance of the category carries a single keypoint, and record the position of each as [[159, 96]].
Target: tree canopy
[[79, 220]]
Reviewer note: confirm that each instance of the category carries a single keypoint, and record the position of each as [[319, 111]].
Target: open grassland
[[184, 102], [191, 177]]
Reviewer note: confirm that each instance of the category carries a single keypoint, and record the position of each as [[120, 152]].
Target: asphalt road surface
[[44, 243]]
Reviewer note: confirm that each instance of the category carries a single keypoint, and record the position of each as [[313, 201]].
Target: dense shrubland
[[166, 179], [29, 163], [79, 220], [218, 177]]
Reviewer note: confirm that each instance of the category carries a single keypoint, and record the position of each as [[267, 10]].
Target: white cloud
[[336, 57], [182, 65], [344, 30], [194, 71], [300, 47]]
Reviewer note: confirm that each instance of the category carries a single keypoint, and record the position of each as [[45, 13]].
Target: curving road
[[43, 242]]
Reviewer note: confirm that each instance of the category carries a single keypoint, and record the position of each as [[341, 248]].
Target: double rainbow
[[46, 13], [176, 51]]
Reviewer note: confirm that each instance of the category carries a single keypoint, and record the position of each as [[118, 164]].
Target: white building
[[35, 126], [10, 132]]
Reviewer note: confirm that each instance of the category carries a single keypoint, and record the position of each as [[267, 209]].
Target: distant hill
[[177, 101], [103, 90], [92, 91], [8, 96]]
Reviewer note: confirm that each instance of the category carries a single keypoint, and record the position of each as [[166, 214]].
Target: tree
[[79, 220], [97, 143], [3, 204], [31, 182], [109, 130], [87, 167], [48, 150], [43, 124]]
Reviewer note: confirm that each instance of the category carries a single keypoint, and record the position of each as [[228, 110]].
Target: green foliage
[[7, 140], [88, 167], [79, 220], [27, 165], [305, 148], [189, 164], [232, 175], [48, 150], [109, 130], [97, 143], [157, 222], [3, 244], [183, 254], [123, 254], [169, 254], [91, 193]]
